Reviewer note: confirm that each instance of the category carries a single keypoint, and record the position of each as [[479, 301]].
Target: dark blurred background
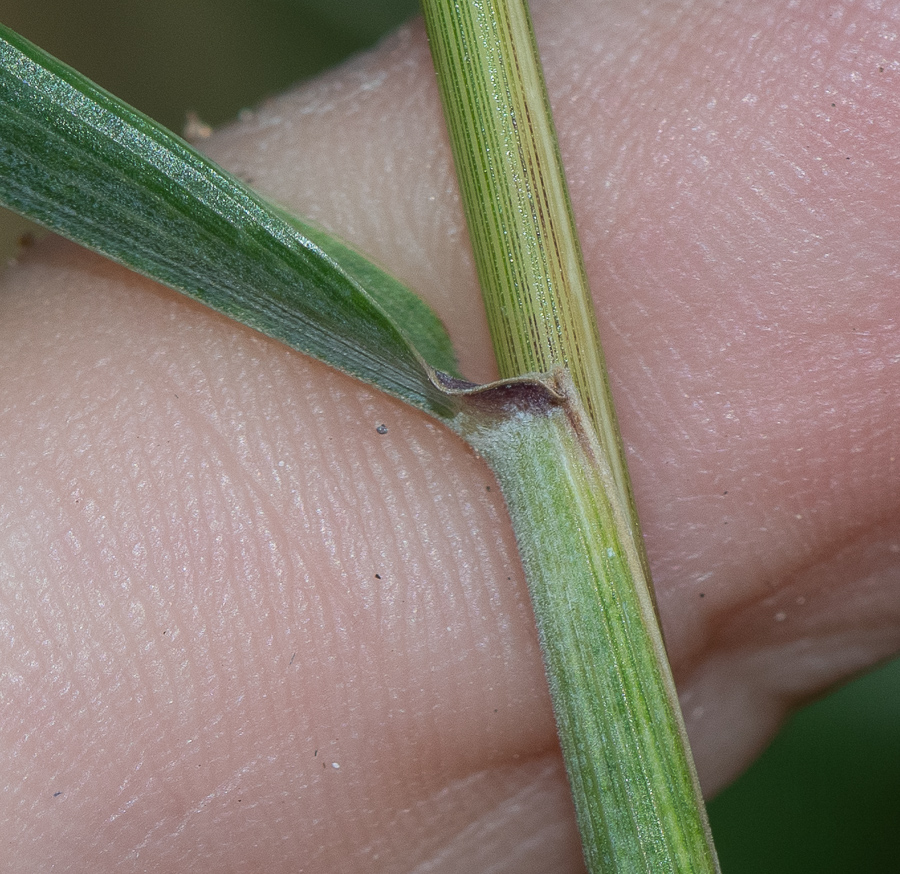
[[825, 797]]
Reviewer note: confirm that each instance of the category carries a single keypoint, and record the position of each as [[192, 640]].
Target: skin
[[220, 582]]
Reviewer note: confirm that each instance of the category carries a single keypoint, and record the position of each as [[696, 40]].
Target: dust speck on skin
[[336, 766], [382, 429]]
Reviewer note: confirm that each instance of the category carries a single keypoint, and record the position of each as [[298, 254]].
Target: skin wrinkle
[[803, 622], [745, 274], [545, 836], [869, 558]]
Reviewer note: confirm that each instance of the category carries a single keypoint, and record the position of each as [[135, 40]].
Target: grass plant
[[82, 163]]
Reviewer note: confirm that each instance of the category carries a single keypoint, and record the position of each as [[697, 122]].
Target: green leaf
[[81, 162]]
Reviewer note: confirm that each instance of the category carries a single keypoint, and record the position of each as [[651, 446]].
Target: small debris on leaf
[[195, 129]]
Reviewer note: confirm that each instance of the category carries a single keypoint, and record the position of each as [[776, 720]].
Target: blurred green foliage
[[212, 57], [209, 57], [825, 797]]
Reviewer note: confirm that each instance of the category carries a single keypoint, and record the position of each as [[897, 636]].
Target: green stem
[[526, 247], [561, 463]]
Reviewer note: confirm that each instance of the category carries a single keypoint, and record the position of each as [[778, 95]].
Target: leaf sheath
[[636, 794]]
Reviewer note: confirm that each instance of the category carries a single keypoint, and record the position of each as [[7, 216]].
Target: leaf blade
[[84, 164]]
